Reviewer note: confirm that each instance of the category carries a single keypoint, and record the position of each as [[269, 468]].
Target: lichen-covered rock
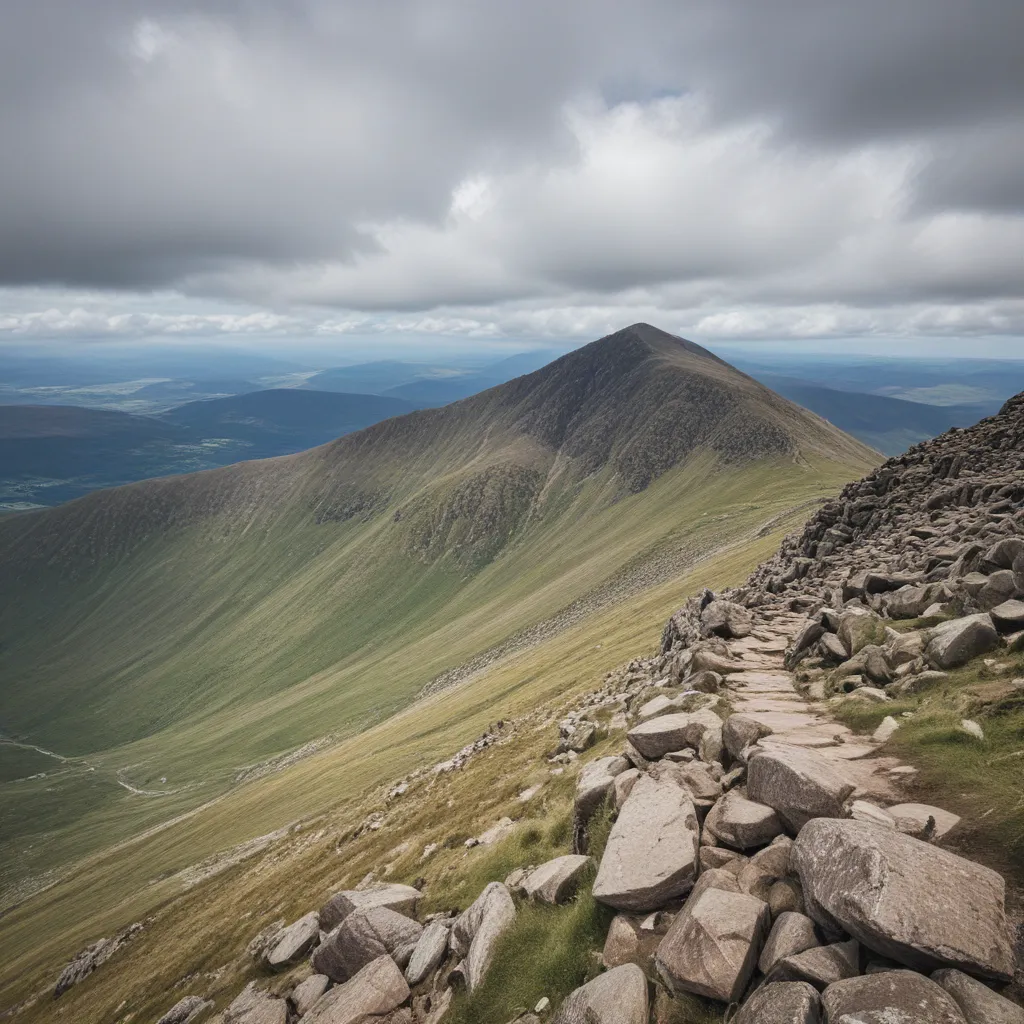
[[429, 952], [959, 641], [891, 997], [821, 965], [655, 738], [361, 938], [791, 934], [784, 1002], [977, 1002], [294, 942], [905, 899], [308, 991], [374, 991]]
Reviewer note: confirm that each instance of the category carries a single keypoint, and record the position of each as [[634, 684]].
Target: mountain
[[50, 454], [432, 392], [178, 637], [890, 425], [377, 377], [280, 421]]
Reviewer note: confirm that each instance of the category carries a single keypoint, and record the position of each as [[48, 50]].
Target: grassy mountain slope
[[174, 637]]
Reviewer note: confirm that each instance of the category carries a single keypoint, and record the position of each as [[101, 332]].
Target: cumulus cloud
[[740, 169]]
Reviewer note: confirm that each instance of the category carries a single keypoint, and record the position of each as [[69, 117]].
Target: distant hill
[[891, 425], [280, 421], [54, 453]]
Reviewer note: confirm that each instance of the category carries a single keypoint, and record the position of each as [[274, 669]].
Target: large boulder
[[977, 1002], [784, 1002], [402, 899], [617, 997], [1008, 617], [651, 854], [922, 820], [375, 991], [429, 951], [1001, 586], [891, 997], [255, 1006], [360, 939], [912, 602], [308, 991], [799, 783], [958, 641], [557, 880], [657, 737], [742, 823], [821, 965], [727, 619], [294, 942], [478, 928], [713, 944], [905, 899]]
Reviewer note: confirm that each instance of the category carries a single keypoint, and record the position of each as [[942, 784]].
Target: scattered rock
[[479, 927], [791, 934], [295, 942], [922, 820], [727, 619], [429, 952], [820, 966], [307, 992], [886, 728], [958, 641], [655, 738], [92, 957], [1008, 617], [254, 1006]]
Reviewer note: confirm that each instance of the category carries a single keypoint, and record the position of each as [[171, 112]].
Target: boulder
[[307, 992], [655, 738], [696, 777], [186, 1010], [922, 820], [1001, 586], [908, 900], [798, 783], [791, 934], [832, 649], [594, 783], [704, 681], [821, 965], [864, 810], [713, 944], [912, 602], [294, 942], [977, 1002], [858, 628], [1004, 553], [740, 732], [557, 880], [891, 997], [617, 997], [885, 730], [374, 991], [623, 786], [361, 938], [402, 899], [254, 1006], [651, 854], [766, 867], [628, 942], [727, 619], [1008, 617], [716, 857], [479, 927], [742, 823], [429, 952], [785, 896], [784, 1002], [958, 641]]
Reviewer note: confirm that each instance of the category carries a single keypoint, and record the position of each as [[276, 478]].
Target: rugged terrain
[[705, 830]]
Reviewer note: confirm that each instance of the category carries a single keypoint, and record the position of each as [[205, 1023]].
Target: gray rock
[[429, 951], [628, 943], [1001, 586], [791, 934], [727, 619], [594, 784], [1008, 617], [833, 650], [713, 945], [704, 682], [479, 927], [903, 898], [977, 1002], [307, 992], [623, 786], [922, 820], [892, 997], [557, 880], [360, 939], [912, 602], [820, 966], [742, 823], [958, 641], [402, 899], [93, 956], [784, 1002], [741, 731], [186, 1010], [617, 997], [786, 896], [798, 783], [1004, 553], [294, 942], [254, 1006], [375, 991], [651, 855], [655, 738], [858, 628]]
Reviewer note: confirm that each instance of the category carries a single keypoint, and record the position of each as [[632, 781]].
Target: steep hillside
[[177, 636]]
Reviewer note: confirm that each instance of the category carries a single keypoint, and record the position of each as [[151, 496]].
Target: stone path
[[767, 691]]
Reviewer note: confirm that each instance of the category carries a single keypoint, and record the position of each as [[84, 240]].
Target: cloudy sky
[[332, 169]]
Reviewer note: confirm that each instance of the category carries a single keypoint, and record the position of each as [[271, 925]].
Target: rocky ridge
[[762, 856]]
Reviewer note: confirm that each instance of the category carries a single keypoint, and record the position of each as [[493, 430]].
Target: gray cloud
[[735, 158]]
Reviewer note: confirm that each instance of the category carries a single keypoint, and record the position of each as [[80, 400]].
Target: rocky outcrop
[[93, 956], [186, 1010]]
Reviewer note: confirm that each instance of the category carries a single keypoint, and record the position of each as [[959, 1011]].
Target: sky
[[328, 172]]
